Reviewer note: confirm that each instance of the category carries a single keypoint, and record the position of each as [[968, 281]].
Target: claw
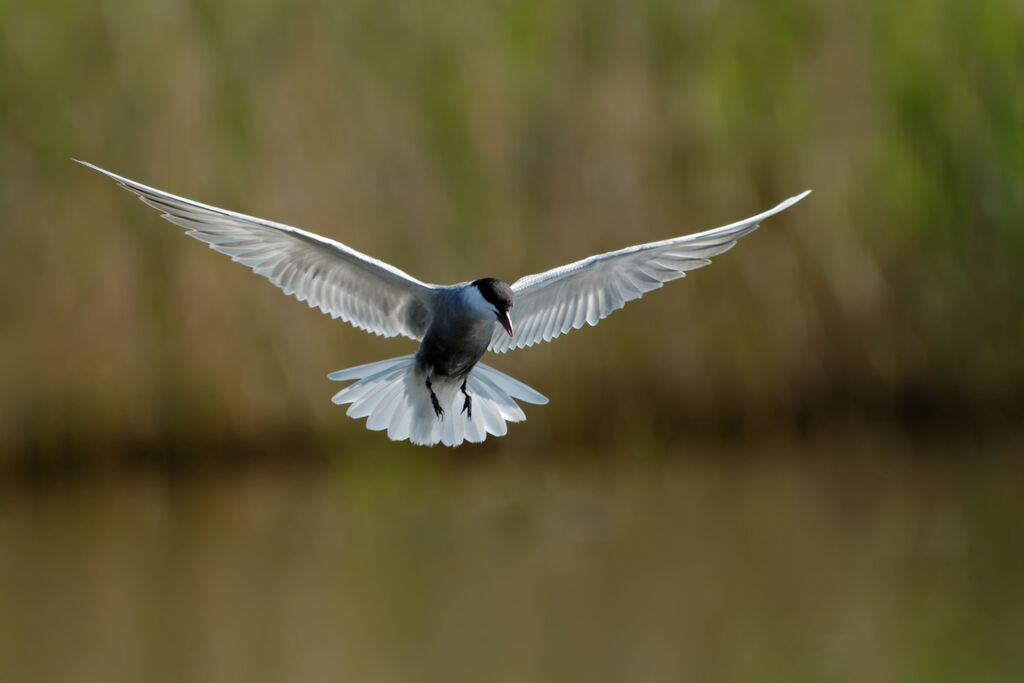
[[438, 410], [467, 405]]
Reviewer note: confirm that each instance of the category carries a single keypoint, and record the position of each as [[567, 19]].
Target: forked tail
[[392, 395]]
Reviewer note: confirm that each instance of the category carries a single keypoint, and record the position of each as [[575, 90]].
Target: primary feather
[[554, 302], [340, 281]]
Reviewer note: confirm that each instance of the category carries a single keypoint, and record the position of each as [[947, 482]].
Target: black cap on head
[[495, 292]]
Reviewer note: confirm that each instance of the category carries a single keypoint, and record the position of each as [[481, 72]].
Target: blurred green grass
[[465, 139]]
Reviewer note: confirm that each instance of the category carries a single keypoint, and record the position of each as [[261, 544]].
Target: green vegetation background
[[840, 397], [462, 139]]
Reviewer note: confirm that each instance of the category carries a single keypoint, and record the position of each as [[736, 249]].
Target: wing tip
[[120, 179], [794, 199]]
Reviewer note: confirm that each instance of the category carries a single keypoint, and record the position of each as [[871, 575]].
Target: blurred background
[[800, 463]]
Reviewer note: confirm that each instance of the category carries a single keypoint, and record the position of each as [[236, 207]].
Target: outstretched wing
[[328, 275], [550, 304]]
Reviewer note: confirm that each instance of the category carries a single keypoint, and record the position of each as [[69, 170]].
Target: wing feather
[[340, 281], [551, 303]]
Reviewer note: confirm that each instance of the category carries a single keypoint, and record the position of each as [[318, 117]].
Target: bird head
[[498, 297]]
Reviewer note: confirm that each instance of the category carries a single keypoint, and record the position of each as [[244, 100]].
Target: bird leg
[[438, 410], [467, 405]]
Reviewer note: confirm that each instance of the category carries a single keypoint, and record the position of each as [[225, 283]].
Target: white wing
[[338, 280], [552, 303]]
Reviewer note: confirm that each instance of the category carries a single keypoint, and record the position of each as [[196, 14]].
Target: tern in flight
[[442, 393]]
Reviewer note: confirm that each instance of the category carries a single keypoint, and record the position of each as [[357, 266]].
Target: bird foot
[[438, 410], [467, 405]]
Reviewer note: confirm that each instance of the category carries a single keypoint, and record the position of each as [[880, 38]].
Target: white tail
[[392, 395]]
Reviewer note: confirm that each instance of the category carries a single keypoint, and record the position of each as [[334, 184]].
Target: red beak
[[505, 322]]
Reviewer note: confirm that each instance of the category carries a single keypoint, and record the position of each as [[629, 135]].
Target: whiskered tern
[[441, 393]]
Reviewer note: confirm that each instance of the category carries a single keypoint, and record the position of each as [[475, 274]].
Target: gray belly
[[453, 350]]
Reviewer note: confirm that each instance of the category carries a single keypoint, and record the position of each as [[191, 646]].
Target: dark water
[[781, 564]]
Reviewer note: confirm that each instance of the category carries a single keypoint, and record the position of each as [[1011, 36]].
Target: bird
[[442, 393]]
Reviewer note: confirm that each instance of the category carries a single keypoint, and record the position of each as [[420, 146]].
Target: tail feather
[[392, 395], [491, 416], [400, 428], [510, 385], [365, 371], [376, 374], [370, 397], [391, 399], [506, 408]]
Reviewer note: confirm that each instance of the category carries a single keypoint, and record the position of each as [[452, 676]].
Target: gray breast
[[456, 339]]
